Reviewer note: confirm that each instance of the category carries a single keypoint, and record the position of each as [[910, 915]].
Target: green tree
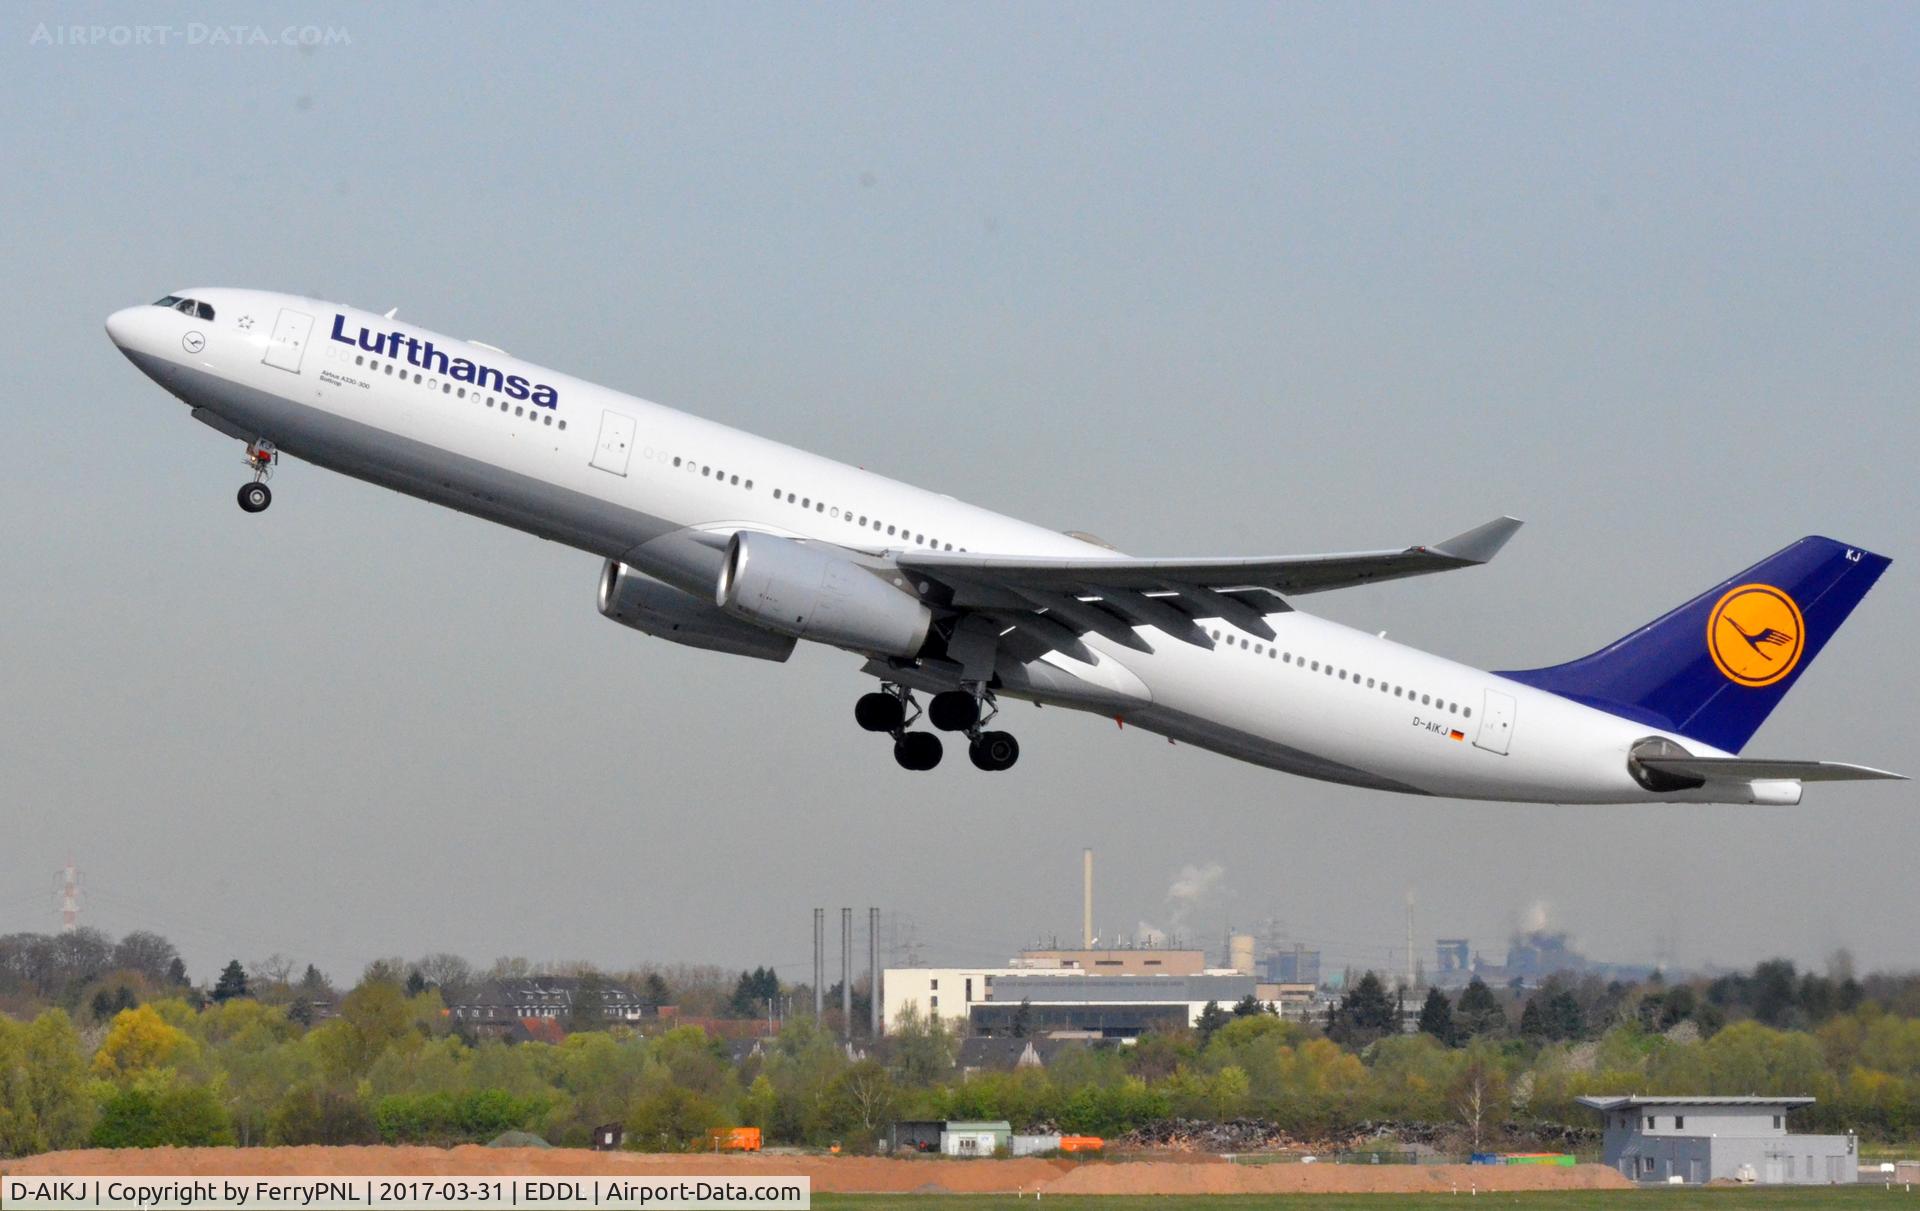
[[672, 1119], [1365, 1014], [588, 1008], [1023, 1018], [1565, 1020], [753, 991], [232, 982], [1436, 1016], [321, 1116], [1249, 1005], [161, 1114], [1211, 1018], [1478, 1013]]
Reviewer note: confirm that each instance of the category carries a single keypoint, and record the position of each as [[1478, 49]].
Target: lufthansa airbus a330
[[721, 540]]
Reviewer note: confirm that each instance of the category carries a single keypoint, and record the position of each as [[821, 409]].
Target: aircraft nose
[[122, 325]]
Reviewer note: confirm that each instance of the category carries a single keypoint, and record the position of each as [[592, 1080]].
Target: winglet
[[1481, 543]]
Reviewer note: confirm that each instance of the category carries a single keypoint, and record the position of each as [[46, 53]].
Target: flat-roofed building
[[1703, 1139]]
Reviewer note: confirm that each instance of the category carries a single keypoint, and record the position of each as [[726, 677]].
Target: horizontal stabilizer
[[1744, 769]]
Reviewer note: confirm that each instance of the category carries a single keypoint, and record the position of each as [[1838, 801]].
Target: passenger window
[[736, 480], [389, 367], [547, 419], [461, 393], [836, 513], [446, 388], [1316, 666], [805, 501], [889, 529], [519, 411], [863, 519], [359, 359], [821, 507], [1425, 700], [563, 424], [706, 471]]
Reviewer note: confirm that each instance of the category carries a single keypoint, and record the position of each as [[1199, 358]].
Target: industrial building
[[1108, 1006], [1702, 1139], [1120, 961], [945, 993]]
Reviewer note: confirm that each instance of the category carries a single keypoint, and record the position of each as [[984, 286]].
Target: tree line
[[243, 1061]]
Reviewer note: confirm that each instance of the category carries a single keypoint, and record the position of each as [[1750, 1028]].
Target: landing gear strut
[[261, 456], [891, 709], [969, 709]]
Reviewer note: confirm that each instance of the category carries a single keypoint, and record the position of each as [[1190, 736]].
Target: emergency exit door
[[289, 343], [1496, 723], [616, 443]]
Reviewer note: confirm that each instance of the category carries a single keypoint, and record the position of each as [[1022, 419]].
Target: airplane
[[717, 539]]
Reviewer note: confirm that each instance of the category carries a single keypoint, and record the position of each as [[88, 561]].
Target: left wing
[[1056, 600]]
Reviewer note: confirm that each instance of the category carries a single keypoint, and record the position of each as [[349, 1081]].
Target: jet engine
[[645, 604], [814, 592]]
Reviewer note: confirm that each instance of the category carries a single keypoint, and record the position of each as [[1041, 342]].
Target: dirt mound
[[1162, 1177]]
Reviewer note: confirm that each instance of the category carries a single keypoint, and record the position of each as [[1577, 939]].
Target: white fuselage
[[649, 486]]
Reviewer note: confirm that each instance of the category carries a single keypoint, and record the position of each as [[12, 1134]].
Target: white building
[[948, 993]]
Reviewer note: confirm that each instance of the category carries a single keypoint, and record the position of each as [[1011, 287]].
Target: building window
[[1779, 1121], [1679, 1121], [1649, 1127]]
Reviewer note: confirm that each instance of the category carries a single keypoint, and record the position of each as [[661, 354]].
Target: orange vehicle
[[1081, 1143], [735, 1139]]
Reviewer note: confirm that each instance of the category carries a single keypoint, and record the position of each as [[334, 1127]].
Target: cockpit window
[[192, 308]]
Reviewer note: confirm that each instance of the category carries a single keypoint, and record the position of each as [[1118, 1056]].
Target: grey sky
[[1227, 280]]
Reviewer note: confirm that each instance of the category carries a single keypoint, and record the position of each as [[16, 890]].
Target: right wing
[[1053, 600]]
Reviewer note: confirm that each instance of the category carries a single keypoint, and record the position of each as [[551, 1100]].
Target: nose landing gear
[[256, 496]]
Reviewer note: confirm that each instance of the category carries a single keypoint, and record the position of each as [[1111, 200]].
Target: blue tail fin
[[1716, 667]]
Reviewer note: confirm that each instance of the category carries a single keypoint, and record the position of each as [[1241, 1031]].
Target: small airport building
[[1701, 1139]]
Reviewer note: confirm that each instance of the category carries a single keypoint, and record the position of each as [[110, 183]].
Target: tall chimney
[[873, 972], [1086, 899], [819, 962], [846, 973]]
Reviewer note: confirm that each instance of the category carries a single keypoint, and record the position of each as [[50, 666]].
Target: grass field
[[1800, 1198]]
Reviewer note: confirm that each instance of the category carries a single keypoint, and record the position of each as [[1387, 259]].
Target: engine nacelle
[[812, 593], [643, 603]]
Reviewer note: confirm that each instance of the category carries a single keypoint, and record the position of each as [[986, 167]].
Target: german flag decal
[[1456, 735]]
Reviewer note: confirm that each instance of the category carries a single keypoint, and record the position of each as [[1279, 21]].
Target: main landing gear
[[892, 709], [256, 496]]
